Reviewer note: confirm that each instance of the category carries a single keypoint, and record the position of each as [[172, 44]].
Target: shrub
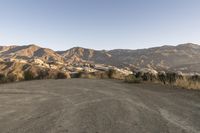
[[94, 75], [195, 78], [115, 74], [75, 74], [139, 74], [42, 74], [12, 77], [101, 74], [110, 73], [162, 77], [132, 79], [187, 83], [28, 75], [61, 75], [87, 75], [147, 76], [3, 78]]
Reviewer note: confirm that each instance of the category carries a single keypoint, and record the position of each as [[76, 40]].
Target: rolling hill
[[183, 57], [164, 57], [29, 52]]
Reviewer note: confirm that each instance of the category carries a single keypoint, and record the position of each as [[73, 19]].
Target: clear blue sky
[[99, 24]]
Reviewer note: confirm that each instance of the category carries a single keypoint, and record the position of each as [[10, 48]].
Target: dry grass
[[132, 79], [114, 74], [94, 75], [188, 84]]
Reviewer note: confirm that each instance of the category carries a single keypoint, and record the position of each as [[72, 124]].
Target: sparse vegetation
[[42, 74], [75, 75], [110, 73], [188, 83], [94, 75], [114, 74], [12, 77], [132, 79], [61, 75], [7, 78], [171, 78], [3, 78], [87, 75], [28, 75]]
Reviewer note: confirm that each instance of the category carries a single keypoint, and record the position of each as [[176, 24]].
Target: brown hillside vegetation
[[158, 64], [180, 58]]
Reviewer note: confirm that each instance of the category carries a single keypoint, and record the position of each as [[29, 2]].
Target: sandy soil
[[97, 106]]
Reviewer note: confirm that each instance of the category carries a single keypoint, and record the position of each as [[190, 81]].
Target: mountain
[[164, 57], [29, 52], [83, 54], [183, 57], [159, 57]]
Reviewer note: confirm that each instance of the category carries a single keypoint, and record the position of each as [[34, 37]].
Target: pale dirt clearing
[[97, 106]]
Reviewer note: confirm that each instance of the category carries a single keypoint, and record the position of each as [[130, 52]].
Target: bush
[[94, 75], [75, 74], [162, 77], [115, 74], [148, 77], [8, 78], [12, 77], [87, 75], [28, 75], [3, 78], [139, 74], [42, 74], [132, 79], [110, 73], [195, 78], [187, 83], [101, 74], [61, 75]]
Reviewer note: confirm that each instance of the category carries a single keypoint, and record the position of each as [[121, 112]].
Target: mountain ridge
[[163, 57]]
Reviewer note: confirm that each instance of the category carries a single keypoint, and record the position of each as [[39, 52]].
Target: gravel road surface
[[97, 106]]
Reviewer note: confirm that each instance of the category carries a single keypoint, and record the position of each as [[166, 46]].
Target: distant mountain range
[[183, 57]]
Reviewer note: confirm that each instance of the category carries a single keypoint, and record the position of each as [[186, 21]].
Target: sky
[[99, 24]]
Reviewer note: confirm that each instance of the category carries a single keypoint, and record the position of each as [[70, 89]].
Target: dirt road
[[97, 106]]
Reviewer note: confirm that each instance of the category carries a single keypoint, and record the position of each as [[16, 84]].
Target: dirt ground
[[97, 106]]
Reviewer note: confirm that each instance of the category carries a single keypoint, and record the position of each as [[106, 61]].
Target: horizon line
[[38, 45]]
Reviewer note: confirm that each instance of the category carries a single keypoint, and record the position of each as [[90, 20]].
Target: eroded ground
[[97, 106]]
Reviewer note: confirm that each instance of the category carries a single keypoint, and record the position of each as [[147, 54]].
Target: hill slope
[[29, 52], [184, 57], [83, 54], [164, 57]]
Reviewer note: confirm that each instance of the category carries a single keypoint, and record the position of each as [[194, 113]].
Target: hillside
[[83, 54], [164, 57], [183, 57], [29, 52]]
